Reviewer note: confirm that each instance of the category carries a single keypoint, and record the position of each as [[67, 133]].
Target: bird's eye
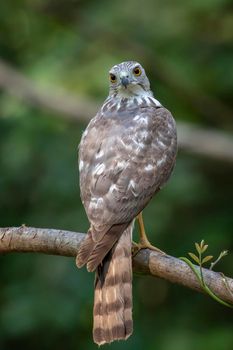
[[112, 78], [137, 71]]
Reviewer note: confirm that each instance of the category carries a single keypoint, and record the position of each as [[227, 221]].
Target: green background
[[186, 48]]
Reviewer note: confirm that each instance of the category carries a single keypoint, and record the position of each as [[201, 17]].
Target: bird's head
[[128, 79]]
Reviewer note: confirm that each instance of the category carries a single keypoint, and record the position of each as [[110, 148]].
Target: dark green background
[[186, 48]]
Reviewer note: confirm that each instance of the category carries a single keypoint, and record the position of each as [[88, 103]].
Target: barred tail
[[113, 293]]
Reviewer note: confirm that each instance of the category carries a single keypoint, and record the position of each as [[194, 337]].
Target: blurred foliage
[[186, 48]]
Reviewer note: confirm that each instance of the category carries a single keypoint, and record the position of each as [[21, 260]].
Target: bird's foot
[[145, 244]]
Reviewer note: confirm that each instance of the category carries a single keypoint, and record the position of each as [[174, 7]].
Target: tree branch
[[62, 103], [210, 143], [66, 243]]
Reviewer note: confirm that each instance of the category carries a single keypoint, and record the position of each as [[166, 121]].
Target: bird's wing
[[124, 159]]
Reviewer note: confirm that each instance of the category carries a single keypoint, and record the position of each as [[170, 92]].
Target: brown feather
[[85, 250], [113, 293], [102, 247], [92, 252]]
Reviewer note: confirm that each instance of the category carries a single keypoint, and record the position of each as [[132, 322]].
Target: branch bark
[[66, 243], [210, 143]]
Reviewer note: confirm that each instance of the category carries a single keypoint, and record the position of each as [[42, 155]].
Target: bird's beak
[[125, 81]]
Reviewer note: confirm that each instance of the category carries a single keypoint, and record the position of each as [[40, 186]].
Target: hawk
[[126, 155]]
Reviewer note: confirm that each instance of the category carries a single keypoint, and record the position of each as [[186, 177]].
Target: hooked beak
[[125, 81]]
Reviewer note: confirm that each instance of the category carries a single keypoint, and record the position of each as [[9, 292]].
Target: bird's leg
[[143, 241]]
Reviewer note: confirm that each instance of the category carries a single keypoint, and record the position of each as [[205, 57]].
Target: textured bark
[[66, 243]]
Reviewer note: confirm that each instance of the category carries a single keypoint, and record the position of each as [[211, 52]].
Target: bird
[[126, 155]]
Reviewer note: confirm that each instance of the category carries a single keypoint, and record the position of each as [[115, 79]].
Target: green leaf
[[207, 258], [223, 253], [194, 257], [204, 248], [202, 243], [198, 248]]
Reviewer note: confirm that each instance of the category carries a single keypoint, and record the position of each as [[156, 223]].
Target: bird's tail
[[113, 293]]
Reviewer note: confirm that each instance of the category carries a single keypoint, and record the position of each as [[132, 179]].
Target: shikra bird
[[126, 155]]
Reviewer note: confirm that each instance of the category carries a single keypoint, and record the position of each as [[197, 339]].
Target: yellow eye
[[112, 78], [137, 71]]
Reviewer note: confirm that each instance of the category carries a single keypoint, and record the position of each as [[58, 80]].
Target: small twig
[[221, 255], [200, 260], [202, 282]]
